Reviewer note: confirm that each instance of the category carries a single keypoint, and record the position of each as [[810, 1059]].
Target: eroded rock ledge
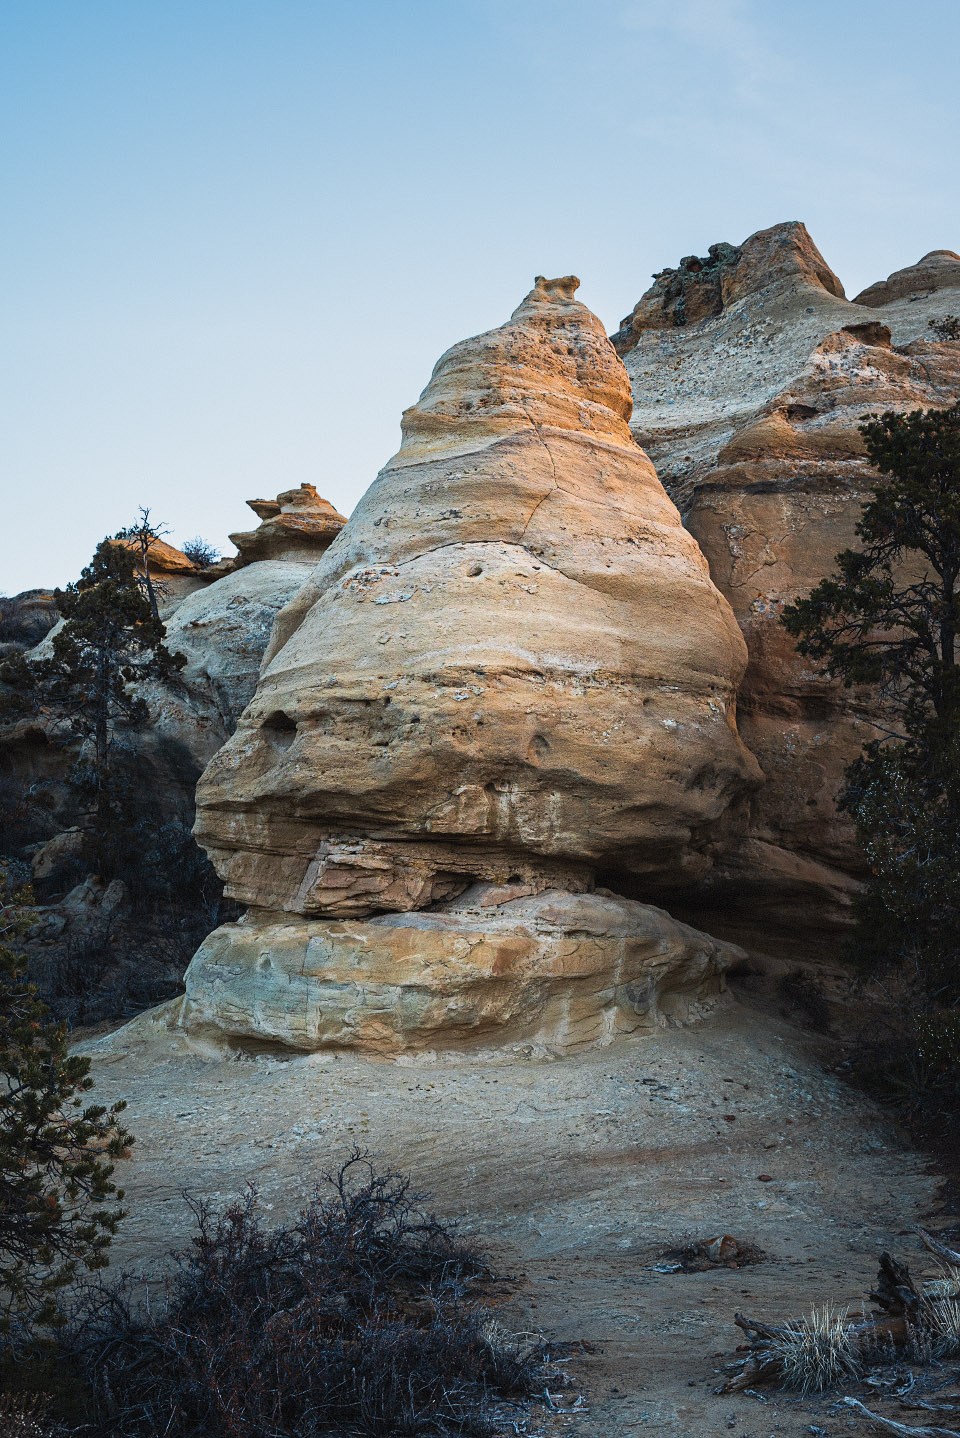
[[559, 970]]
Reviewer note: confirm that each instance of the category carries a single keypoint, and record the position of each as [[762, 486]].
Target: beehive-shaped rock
[[511, 664]]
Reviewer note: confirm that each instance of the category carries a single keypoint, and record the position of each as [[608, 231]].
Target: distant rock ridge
[[702, 288], [510, 668], [751, 416], [938, 270]]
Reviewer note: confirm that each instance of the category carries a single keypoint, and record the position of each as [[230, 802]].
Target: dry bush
[[829, 1347], [363, 1317], [26, 1416]]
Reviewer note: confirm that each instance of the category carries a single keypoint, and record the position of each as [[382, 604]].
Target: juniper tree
[[59, 1206], [890, 619], [111, 640]]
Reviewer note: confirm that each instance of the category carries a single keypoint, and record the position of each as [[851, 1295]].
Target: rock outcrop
[[297, 526], [25, 619], [511, 660], [750, 412], [557, 969], [935, 273], [511, 667], [223, 629], [219, 617], [175, 574]]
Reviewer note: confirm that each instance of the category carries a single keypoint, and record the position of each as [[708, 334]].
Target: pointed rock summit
[[511, 661], [511, 668]]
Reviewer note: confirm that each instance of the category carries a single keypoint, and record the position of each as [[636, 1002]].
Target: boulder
[[512, 661], [751, 414], [557, 970]]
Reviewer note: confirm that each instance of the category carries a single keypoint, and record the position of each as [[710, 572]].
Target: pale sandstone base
[[559, 970]]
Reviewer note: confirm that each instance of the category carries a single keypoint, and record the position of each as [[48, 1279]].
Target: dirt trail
[[576, 1173]]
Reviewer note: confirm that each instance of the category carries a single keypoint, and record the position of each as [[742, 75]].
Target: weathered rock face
[[296, 526], [223, 629], [936, 272], [512, 662], [25, 619], [560, 970], [510, 669], [751, 416]]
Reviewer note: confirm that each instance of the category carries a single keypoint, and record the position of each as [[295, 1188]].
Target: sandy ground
[[575, 1173]]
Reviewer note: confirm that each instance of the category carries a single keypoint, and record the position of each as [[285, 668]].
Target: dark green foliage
[[890, 620], [59, 1206], [111, 639], [362, 1317], [946, 328]]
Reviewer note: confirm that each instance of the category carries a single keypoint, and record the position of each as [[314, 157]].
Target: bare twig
[[889, 1426], [935, 1246]]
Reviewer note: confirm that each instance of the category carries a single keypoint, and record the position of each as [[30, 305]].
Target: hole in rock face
[[539, 748], [474, 570], [795, 413], [280, 729]]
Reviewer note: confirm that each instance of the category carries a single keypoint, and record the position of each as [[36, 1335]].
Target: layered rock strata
[[510, 667], [297, 526], [559, 970], [512, 660], [750, 411]]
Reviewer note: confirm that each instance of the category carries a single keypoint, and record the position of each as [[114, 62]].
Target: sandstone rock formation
[[511, 661], [220, 619], [223, 629], [510, 667], [297, 526], [936, 273], [748, 401], [558, 969], [25, 619]]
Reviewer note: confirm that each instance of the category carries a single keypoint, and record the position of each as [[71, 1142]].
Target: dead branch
[[820, 1349], [935, 1246], [889, 1426]]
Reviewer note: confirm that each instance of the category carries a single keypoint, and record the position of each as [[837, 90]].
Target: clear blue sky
[[235, 235]]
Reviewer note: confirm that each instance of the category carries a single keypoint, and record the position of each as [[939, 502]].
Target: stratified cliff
[[750, 374]]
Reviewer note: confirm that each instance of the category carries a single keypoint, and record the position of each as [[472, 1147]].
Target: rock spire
[[509, 672]]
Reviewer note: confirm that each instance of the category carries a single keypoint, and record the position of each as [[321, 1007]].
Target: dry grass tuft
[[816, 1353]]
